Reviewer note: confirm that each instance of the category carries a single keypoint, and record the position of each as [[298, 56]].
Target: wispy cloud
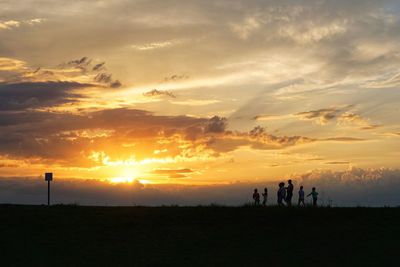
[[158, 45], [12, 24], [159, 93]]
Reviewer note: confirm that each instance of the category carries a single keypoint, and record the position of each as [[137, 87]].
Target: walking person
[[256, 197], [265, 197], [314, 195], [289, 193], [301, 197], [281, 194]]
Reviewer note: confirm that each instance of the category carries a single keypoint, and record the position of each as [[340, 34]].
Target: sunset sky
[[198, 92]]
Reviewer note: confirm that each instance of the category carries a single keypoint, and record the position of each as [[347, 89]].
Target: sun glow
[[128, 176], [118, 180]]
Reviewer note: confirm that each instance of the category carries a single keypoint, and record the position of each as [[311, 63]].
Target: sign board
[[48, 176]]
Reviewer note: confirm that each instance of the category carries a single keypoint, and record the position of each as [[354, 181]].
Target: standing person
[[314, 195], [265, 197], [301, 197], [281, 194], [289, 193], [256, 197]]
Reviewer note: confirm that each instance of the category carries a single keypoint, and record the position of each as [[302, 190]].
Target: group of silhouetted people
[[285, 195]]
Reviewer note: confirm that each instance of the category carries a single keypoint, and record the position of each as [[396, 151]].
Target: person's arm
[[309, 195]]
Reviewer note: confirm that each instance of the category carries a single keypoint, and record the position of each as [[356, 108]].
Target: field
[[198, 236]]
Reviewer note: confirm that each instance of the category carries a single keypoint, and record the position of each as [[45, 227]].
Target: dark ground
[[198, 236]]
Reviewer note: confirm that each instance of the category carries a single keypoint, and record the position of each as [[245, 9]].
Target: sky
[[174, 96]]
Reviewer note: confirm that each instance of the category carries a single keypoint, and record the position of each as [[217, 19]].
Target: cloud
[[355, 119], [258, 138], [176, 77], [246, 28], [99, 66], [344, 139], [10, 64], [341, 115], [21, 96], [195, 102], [355, 186], [106, 78], [337, 162], [12, 24], [352, 187], [159, 93], [82, 63], [216, 125], [81, 70], [158, 45], [86, 66], [321, 116], [266, 117], [173, 174], [273, 59], [40, 135]]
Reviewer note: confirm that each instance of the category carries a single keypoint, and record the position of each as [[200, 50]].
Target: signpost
[[48, 177]]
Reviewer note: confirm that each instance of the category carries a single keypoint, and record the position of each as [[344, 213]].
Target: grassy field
[[198, 236]]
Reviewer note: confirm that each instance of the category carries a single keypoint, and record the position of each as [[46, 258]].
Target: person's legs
[[289, 199]]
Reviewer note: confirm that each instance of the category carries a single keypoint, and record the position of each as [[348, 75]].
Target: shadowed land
[[198, 236]]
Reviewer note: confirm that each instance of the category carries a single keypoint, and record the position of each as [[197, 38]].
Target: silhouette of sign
[[48, 176]]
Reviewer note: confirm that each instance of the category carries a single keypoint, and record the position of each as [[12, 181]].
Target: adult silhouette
[[281, 194], [289, 193]]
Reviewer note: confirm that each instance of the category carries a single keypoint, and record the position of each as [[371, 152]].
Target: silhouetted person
[[281, 194], [256, 197], [314, 195], [301, 197], [265, 197], [289, 193]]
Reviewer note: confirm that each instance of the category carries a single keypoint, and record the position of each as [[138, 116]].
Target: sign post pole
[[48, 193], [48, 177]]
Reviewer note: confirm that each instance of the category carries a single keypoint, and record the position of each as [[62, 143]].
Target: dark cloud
[[216, 125], [28, 95], [115, 84], [99, 66], [82, 63], [106, 78], [103, 78], [87, 67], [158, 93], [176, 77]]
